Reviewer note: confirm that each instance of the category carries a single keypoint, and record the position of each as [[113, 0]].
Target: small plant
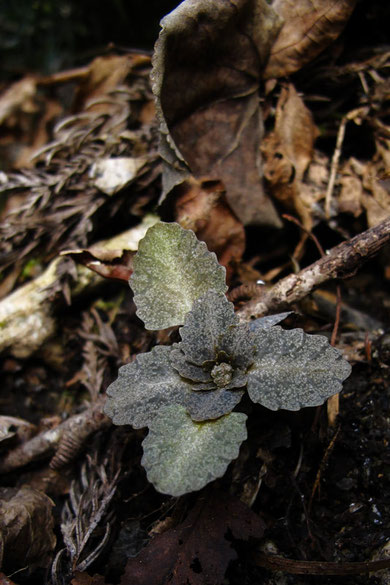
[[185, 393]]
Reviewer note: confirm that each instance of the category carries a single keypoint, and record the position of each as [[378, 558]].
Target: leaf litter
[[321, 156]]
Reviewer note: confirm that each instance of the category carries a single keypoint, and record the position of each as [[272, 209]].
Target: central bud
[[222, 374]]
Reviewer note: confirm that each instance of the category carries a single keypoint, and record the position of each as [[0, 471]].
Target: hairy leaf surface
[[150, 383], [171, 270], [309, 27], [181, 456], [292, 370], [268, 321], [211, 316]]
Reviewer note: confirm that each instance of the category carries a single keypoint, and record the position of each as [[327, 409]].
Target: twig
[[276, 563], [307, 232], [334, 165], [340, 262], [357, 114], [42, 445], [333, 403], [323, 463]]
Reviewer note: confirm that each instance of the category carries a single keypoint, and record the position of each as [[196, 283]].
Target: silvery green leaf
[[203, 378], [210, 404], [150, 382], [292, 370], [144, 387], [172, 269], [268, 321], [238, 343], [210, 317], [187, 369], [181, 456]]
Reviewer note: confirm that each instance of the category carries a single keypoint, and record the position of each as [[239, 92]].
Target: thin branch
[[357, 115], [276, 563], [42, 445], [334, 165], [342, 261]]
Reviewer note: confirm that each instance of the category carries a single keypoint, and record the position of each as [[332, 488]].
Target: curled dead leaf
[[202, 207], [309, 27], [206, 72], [288, 150], [26, 529]]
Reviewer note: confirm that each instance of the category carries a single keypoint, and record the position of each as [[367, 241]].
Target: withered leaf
[[207, 66], [26, 528], [196, 552], [202, 207], [288, 150], [309, 27], [111, 264], [295, 129], [113, 258]]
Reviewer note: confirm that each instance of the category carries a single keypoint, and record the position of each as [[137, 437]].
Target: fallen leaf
[[309, 27], [202, 207], [351, 192], [104, 75], [113, 264], [113, 259], [288, 150], [196, 552], [20, 96], [24, 120], [376, 201], [206, 72], [26, 529]]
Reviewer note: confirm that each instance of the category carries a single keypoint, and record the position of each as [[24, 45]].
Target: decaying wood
[[43, 445], [27, 316], [340, 262]]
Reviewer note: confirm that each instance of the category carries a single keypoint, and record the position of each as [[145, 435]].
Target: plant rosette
[[185, 393]]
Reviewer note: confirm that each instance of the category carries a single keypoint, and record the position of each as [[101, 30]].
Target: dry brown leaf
[[104, 75], [20, 96], [351, 195], [207, 68], [113, 258], [201, 207], [376, 201], [26, 528], [294, 125], [287, 151], [24, 120], [309, 27], [114, 265], [196, 552]]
